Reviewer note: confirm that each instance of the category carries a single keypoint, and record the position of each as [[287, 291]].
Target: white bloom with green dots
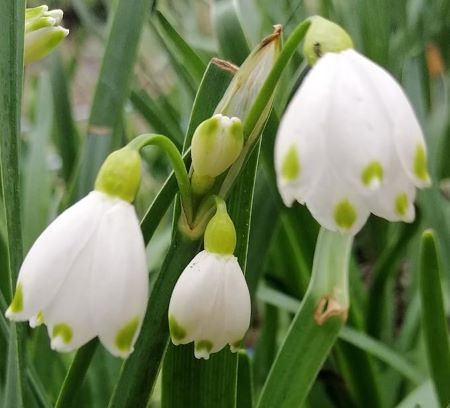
[[350, 144], [210, 304], [86, 275]]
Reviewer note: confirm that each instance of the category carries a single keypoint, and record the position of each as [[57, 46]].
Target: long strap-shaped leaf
[[112, 86], [12, 18], [434, 323]]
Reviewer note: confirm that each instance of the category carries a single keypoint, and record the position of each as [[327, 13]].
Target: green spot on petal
[[203, 345], [344, 214], [290, 168], [17, 302], [420, 163], [401, 204], [125, 335], [39, 318], [372, 173], [64, 331], [176, 331]]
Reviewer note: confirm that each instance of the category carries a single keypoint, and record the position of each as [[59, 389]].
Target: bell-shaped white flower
[[86, 275], [210, 303], [350, 144]]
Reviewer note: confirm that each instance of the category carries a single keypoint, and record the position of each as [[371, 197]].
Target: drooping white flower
[[210, 304], [86, 275], [350, 144]]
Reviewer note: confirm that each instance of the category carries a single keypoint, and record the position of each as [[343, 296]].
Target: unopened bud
[[324, 36], [42, 32], [216, 144]]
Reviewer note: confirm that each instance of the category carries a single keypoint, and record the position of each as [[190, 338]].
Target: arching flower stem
[[184, 185]]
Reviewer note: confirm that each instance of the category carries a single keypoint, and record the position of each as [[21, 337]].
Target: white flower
[[210, 304], [86, 276], [349, 145]]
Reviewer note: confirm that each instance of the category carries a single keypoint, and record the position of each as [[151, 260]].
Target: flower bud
[[216, 144], [324, 36], [42, 32], [120, 174]]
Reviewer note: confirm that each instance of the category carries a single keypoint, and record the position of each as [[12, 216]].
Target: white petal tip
[[201, 354], [234, 349], [57, 344], [9, 314]]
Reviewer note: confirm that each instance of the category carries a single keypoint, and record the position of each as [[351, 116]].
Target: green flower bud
[[324, 36], [120, 174], [42, 32], [220, 234], [216, 144]]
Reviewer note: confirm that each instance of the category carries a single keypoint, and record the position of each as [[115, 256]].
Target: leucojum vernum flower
[[86, 275], [349, 143], [210, 304]]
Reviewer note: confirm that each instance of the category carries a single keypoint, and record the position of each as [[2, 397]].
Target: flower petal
[[237, 303], [118, 291], [193, 298], [406, 132], [301, 134], [336, 206], [55, 253]]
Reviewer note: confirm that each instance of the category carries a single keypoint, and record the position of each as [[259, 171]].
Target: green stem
[[76, 374], [178, 165], [315, 326]]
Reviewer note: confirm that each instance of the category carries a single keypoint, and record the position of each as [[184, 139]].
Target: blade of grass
[[66, 133], [12, 18], [434, 321], [112, 87], [186, 55], [245, 381]]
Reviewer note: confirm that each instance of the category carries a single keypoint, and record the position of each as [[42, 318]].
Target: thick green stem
[[315, 327], [178, 165]]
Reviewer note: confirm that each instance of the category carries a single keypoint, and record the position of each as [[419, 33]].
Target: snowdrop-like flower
[[86, 275], [350, 144], [43, 32], [210, 303]]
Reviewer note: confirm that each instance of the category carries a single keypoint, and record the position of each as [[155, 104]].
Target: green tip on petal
[[120, 174], [401, 204], [324, 36], [17, 302], [220, 234], [63, 331], [290, 168], [177, 332], [373, 174], [420, 164], [344, 215], [203, 348], [125, 335]]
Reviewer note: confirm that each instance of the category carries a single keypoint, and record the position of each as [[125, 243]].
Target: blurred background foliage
[[410, 38]]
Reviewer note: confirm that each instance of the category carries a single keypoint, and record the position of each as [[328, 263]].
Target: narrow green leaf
[[434, 322], [422, 396], [112, 87], [76, 374], [186, 55], [12, 18], [244, 381], [37, 182], [232, 42], [66, 133], [351, 336]]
